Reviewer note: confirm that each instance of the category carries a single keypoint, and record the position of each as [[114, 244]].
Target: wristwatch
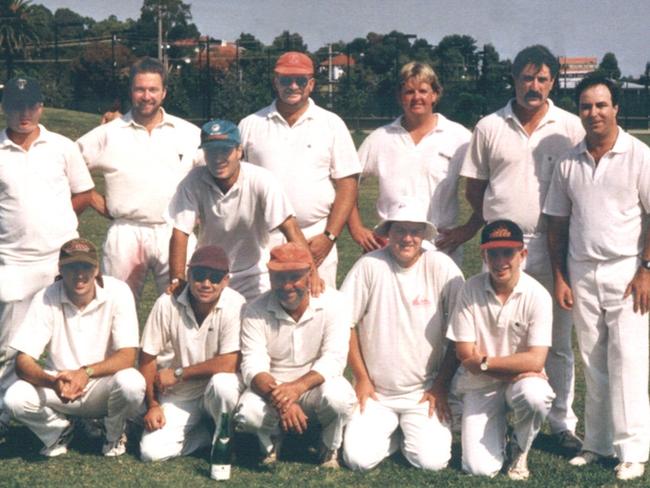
[[330, 236], [178, 374], [89, 371], [645, 263], [484, 364]]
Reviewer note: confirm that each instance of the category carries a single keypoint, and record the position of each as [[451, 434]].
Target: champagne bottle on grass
[[221, 455]]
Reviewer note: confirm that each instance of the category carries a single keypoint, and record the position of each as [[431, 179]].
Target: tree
[[609, 66], [289, 42], [16, 30]]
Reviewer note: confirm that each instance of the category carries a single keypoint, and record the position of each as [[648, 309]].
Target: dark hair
[[536, 55], [595, 78], [148, 65]]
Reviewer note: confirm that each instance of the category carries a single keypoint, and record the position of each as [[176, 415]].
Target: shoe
[[91, 428], [60, 447], [518, 469], [328, 458], [271, 457], [629, 471], [115, 448], [585, 457], [568, 440]]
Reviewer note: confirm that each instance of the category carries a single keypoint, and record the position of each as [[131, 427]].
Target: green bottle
[[221, 455]]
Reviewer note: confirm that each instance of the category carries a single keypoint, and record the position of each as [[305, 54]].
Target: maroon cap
[[212, 257], [294, 63], [290, 257], [78, 251]]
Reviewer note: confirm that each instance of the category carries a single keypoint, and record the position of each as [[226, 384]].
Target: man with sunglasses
[[201, 326], [311, 152], [502, 327], [237, 205]]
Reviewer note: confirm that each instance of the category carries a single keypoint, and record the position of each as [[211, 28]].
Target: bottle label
[[220, 472]]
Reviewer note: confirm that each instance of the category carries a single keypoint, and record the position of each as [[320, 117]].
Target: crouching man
[[294, 349], [502, 328], [87, 324], [201, 327]]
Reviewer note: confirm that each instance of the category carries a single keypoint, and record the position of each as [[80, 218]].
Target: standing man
[[201, 327], [143, 155], [236, 205], [418, 155], [310, 151], [508, 167], [597, 203], [43, 181], [502, 327], [294, 347], [402, 297], [87, 325]]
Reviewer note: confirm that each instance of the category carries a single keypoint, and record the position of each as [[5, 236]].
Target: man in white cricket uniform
[[502, 327], [236, 205], [508, 167], [202, 327], [402, 297], [294, 347], [311, 152], [597, 204], [143, 155], [418, 155], [88, 327], [43, 181]]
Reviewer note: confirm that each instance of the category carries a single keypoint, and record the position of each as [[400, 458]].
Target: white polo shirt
[[498, 329], [305, 157], [172, 326], [141, 169], [606, 202], [427, 170], [401, 315], [72, 337], [518, 167], [239, 221], [36, 214], [274, 343]]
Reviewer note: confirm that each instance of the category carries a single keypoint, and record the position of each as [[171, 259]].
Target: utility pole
[[329, 76], [160, 32]]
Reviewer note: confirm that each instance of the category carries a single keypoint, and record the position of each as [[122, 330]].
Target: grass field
[[20, 464]]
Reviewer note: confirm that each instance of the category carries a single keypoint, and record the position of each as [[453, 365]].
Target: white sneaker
[[629, 471], [585, 457], [115, 448], [60, 447], [271, 457], [518, 469]]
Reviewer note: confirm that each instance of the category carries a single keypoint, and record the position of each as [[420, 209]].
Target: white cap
[[407, 210]]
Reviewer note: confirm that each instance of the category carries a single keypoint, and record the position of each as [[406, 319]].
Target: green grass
[[20, 464]]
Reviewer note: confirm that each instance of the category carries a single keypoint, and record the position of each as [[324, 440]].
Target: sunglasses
[[507, 252], [301, 81], [214, 275]]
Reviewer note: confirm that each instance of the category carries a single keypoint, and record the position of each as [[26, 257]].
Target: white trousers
[[560, 363], [483, 435], [372, 435], [332, 404], [131, 249], [115, 397], [613, 343], [184, 432]]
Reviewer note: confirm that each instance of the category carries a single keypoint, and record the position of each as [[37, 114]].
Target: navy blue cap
[[21, 92]]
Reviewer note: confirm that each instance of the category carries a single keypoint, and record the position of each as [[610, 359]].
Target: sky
[[567, 27]]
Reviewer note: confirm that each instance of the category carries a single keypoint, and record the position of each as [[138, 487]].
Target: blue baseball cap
[[220, 133]]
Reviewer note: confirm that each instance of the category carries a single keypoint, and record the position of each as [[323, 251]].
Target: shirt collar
[[623, 143], [309, 113], [274, 307], [551, 114], [184, 301], [207, 177], [100, 297], [487, 285], [126, 120], [43, 136]]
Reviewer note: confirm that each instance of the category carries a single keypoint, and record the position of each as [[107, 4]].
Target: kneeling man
[[502, 327], [294, 347], [201, 327], [87, 324], [402, 297]]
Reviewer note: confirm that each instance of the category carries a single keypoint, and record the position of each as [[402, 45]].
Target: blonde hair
[[420, 72]]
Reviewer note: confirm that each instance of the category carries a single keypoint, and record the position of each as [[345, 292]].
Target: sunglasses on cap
[[201, 273], [301, 81]]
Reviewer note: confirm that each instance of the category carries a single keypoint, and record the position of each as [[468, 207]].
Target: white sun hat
[[407, 210]]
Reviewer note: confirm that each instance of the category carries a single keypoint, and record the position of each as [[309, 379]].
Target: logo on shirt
[[420, 300]]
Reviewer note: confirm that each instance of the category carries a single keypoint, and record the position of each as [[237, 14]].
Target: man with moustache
[[508, 167], [43, 182], [311, 152], [143, 155], [598, 206]]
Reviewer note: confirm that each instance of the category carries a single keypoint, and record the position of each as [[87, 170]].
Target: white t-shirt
[[518, 167], [606, 203], [427, 171], [36, 214], [141, 169], [74, 338], [305, 157], [172, 326], [401, 316], [274, 343], [498, 329]]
